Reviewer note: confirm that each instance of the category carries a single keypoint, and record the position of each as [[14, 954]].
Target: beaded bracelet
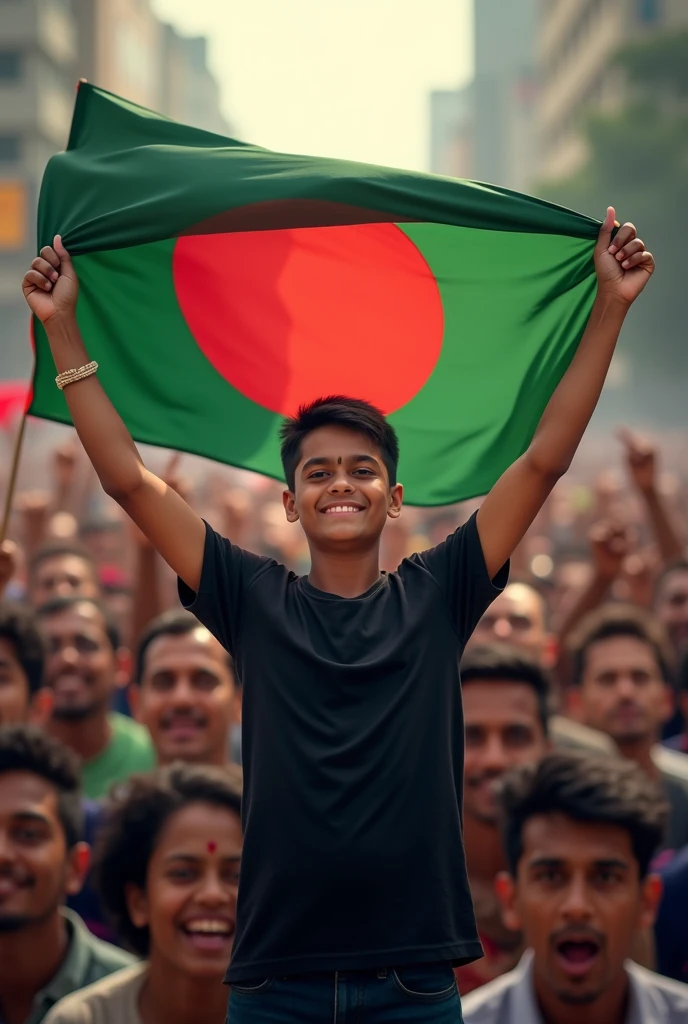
[[72, 376]]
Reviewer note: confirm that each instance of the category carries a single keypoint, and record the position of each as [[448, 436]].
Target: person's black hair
[[499, 662], [620, 620], [172, 623], [591, 788], [338, 411], [19, 629], [58, 549], [57, 605], [25, 748], [135, 815], [676, 565]]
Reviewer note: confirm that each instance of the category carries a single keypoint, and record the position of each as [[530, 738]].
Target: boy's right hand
[[51, 286]]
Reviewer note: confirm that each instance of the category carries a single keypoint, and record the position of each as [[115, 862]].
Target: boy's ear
[[396, 497], [289, 502]]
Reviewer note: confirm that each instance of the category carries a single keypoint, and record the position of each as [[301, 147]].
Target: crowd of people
[[120, 751]]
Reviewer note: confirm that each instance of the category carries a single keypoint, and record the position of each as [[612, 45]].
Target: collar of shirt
[[523, 1007], [73, 970]]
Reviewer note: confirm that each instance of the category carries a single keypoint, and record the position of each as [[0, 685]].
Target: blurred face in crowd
[[622, 691], [517, 617], [579, 900], [16, 702], [503, 729], [188, 697], [82, 669], [63, 576], [342, 493], [36, 868], [671, 607], [189, 903]]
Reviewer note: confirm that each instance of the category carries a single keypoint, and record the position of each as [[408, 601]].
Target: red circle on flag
[[290, 315]]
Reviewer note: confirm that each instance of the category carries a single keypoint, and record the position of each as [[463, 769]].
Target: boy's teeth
[[213, 927], [342, 508]]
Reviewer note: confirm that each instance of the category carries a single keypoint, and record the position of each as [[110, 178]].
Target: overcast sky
[[346, 78]]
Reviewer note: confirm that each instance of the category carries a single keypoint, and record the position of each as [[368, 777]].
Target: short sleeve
[[228, 572], [458, 567]]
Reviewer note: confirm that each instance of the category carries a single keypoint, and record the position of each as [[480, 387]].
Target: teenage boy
[[580, 832], [353, 884]]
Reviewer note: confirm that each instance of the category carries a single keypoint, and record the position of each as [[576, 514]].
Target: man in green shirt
[[86, 664], [46, 951]]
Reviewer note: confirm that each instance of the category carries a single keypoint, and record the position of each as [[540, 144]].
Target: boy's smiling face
[[342, 494]]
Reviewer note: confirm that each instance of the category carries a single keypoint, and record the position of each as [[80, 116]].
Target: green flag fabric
[[222, 285]]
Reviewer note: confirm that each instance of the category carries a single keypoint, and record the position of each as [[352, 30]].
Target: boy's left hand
[[623, 266]]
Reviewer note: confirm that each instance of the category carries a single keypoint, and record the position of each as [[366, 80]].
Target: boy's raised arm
[[623, 269], [51, 289]]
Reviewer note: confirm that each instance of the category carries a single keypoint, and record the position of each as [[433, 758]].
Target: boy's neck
[[346, 573]]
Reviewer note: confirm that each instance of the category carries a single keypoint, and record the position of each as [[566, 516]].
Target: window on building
[[10, 65], [648, 11], [10, 148]]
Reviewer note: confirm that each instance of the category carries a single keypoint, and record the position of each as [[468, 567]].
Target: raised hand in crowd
[[8, 563], [33, 508], [642, 465], [65, 468], [611, 543]]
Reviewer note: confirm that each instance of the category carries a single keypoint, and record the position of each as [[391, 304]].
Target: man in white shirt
[[580, 831]]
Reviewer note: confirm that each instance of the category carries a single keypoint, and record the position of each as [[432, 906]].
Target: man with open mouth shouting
[[580, 831]]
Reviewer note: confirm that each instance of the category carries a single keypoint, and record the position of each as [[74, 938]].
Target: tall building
[[486, 130], [504, 92], [45, 46], [451, 132], [188, 90], [38, 47], [576, 41]]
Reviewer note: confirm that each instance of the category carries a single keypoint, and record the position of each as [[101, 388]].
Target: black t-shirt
[[353, 753]]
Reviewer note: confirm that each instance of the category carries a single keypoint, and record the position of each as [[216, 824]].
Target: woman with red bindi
[[167, 868]]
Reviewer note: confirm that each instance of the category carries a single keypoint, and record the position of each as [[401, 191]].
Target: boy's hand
[[623, 266], [51, 286]]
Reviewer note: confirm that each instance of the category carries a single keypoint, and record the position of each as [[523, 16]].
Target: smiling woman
[[168, 872]]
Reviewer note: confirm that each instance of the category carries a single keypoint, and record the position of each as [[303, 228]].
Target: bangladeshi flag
[[223, 284]]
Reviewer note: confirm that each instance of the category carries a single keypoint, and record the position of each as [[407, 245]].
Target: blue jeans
[[424, 993]]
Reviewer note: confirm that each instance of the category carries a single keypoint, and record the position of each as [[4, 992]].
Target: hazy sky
[[345, 78]]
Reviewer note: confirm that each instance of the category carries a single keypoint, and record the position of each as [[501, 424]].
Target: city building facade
[[576, 43], [45, 47]]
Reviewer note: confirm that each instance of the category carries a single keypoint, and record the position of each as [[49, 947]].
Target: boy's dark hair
[[338, 411], [19, 629], [56, 605], [588, 788], [25, 748], [136, 813], [57, 550], [501, 662], [614, 620], [172, 623]]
